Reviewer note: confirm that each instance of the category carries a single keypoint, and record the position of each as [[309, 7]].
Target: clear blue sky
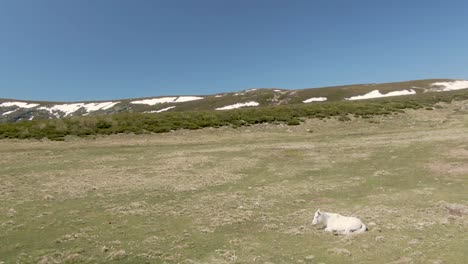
[[72, 50]]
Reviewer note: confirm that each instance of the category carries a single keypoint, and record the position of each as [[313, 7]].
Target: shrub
[[344, 118], [294, 122], [103, 124]]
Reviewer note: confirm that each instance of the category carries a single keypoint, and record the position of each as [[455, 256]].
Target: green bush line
[[140, 123]]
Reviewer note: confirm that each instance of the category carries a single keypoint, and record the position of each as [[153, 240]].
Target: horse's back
[[345, 222]]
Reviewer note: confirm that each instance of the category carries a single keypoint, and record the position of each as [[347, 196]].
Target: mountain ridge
[[13, 110], [225, 92]]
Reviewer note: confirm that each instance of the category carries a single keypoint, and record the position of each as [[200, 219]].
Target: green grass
[[243, 195]]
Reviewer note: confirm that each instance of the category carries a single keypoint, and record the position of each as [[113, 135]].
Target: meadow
[[243, 194]]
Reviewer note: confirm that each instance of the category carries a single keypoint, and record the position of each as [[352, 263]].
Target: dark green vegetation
[[291, 114]]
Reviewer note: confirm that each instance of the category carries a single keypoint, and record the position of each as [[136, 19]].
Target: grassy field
[[243, 195]]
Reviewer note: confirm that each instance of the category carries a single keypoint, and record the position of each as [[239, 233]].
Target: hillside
[[165, 114], [12, 110], [243, 195]]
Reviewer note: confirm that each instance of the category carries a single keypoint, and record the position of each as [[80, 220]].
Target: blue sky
[[71, 50]]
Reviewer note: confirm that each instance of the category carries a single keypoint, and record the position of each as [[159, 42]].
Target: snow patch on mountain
[[181, 99], [238, 105], [161, 110], [90, 107], [451, 86], [9, 112], [69, 109], [18, 104], [377, 94], [155, 101], [162, 100], [315, 99]]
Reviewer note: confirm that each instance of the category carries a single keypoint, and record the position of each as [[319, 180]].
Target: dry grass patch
[[242, 195]]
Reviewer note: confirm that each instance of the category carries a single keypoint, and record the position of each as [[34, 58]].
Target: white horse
[[338, 223]]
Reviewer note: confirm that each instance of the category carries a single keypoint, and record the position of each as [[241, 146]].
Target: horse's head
[[317, 217]]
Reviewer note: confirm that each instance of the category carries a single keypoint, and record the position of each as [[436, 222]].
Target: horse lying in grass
[[339, 224]]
